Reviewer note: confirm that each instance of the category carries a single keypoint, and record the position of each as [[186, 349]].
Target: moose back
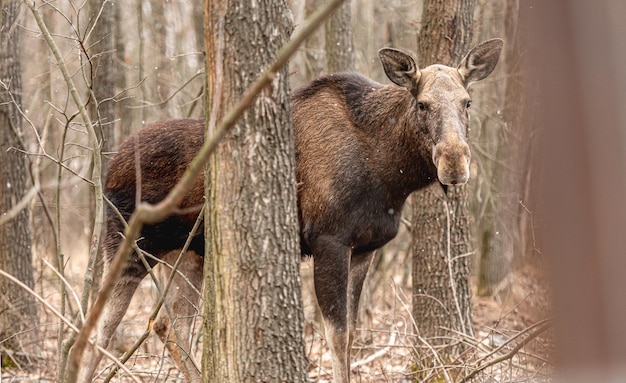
[[361, 149]]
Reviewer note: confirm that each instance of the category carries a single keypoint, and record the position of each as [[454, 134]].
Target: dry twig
[[146, 213], [534, 330]]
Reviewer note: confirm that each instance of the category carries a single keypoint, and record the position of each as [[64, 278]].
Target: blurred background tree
[[140, 61], [18, 312]]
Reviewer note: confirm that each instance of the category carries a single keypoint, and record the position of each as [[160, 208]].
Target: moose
[[361, 149]]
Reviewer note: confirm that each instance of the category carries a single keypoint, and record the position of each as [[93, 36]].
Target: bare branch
[[69, 324], [171, 96], [162, 292], [96, 176], [19, 206], [377, 354], [146, 213], [67, 284], [538, 328]]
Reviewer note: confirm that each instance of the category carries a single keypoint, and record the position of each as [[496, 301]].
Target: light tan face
[[443, 103]]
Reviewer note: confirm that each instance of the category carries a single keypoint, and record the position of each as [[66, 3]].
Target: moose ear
[[400, 67], [480, 61]]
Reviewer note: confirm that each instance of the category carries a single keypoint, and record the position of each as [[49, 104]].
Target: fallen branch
[[377, 354], [538, 327]]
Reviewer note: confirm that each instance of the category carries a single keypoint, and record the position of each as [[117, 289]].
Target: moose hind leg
[[331, 263], [182, 299], [114, 310]]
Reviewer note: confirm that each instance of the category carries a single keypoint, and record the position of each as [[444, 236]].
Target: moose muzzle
[[452, 159]]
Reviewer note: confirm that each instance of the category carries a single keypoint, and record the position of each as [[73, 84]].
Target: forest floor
[[386, 345]]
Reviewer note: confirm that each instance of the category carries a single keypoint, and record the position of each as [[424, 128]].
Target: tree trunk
[[103, 80], [18, 313], [314, 57], [440, 231], [339, 46], [503, 134], [441, 265], [122, 52], [446, 33], [253, 314], [105, 73]]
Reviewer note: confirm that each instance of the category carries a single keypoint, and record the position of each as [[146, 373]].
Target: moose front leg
[[331, 265], [359, 267]]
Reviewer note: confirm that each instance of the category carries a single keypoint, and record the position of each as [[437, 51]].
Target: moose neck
[[402, 152]]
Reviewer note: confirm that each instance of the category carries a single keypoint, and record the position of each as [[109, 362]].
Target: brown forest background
[[158, 66]]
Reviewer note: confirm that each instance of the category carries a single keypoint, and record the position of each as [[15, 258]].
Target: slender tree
[[314, 45], [122, 49], [253, 314], [103, 80], [441, 234], [104, 72], [18, 314], [339, 45], [506, 144]]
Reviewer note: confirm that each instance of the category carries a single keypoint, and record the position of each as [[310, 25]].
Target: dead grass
[[385, 347]]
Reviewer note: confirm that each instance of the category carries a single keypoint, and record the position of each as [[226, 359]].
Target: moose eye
[[421, 106], [468, 103]]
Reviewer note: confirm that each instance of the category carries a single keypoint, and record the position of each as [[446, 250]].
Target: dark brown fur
[[163, 145], [358, 158], [361, 149]]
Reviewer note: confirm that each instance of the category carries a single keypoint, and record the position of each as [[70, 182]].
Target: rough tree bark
[[440, 231], [253, 315], [18, 313]]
